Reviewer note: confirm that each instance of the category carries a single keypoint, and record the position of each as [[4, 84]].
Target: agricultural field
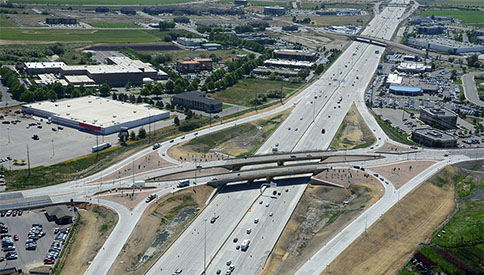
[[94, 36], [101, 2], [115, 25], [453, 3], [4, 22], [246, 89], [468, 17]]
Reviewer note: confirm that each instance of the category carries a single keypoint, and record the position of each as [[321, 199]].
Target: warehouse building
[[406, 91], [288, 63], [57, 21], [198, 101], [445, 45], [43, 67], [295, 55], [440, 118], [190, 42], [430, 29], [274, 10], [413, 67], [433, 138], [96, 115], [290, 28], [193, 64]]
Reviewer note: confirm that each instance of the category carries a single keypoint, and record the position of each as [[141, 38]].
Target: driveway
[[470, 89]]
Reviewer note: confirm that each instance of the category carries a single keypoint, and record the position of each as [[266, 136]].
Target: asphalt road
[[470, 89]]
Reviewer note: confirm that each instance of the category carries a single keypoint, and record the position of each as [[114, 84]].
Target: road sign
[[273, 184]]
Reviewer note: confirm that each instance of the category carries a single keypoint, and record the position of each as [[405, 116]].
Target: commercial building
[[47, 79], [434, 138], [43, 67], [445, 45], [413, 67], [261, 70], [406, 91], [295, 55], [57, 21], [290, 28], [181, 19], [431, 29], [441, 118], [190, 42], [59, 214], [211, 46], [198, 101], [288, 63], [274, 10], [241, 2], [96, 115], [193, 65]]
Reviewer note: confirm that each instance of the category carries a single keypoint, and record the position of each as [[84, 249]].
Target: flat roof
[[44, 65], [78, 79], [288, 63], [439, 111], [434, 134], [96, 111], [405, 89], [198, 96], [294, 52], [394, 79]]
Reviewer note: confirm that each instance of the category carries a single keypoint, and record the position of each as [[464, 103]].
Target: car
[[236, 240], [256, 220], [212, 220], [35, 137], [2, 259], [14, 213], [15, 237], [11, 256], [274, 192], [156, 146], [60, 127], [183, 137], [2, 213], [323, 131], [229, 262], [9, 213], [271, 214], [237, 247], [231, 267], [20, 212], [249, 231], [171, 141], [218, 271], [195, 134], [49, 261], [39, 126], [296, 129], [9, 248], [261, 202], [54, 129], [289, 129], [267, 204]]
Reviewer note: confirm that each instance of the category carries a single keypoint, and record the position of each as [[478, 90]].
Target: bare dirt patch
[[151, 229], [319, 216], [95, 225], [344, 177], [394, 149], [400, 173], [390, 242], [353, 132], [128, 198]]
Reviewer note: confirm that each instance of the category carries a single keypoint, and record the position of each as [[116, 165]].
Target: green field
[[468, 17], [101, 2], [115, 25], [223, 55], [95, 36], [453, 3], [260, 3], [246, 89], [311, 5], [4, 22]]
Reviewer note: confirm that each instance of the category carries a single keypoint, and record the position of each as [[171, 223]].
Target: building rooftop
[[78, 79], [120, 64], [405, 89], [96, 111], [43, 65], [434, 134], [46, 79], [446, 42], [413, 66], [294, 52], [439, 111], [288, 63], [394, 79]]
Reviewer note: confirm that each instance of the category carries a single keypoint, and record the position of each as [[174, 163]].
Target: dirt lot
[[319, 216], [344, 177], [401, 173], [128, 198], [313, 40], [394, 149], [353, 132], [390, 242], [158, 217], [243, 138], [96, 223]]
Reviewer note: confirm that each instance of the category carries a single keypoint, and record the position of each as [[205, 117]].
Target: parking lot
[[20, 226], [52, 146]]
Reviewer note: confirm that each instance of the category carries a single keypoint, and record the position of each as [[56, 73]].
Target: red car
[[15, 237], [235, 239], [49, 261], [14, 213], [60, 127]]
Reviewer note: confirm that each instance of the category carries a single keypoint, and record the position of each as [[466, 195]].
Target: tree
[[142, 133], [163, 25], [177, 121], [473, 61], [115, 97], [178, 89], [51, 95], [169, 86], [127, 86], [105, 90], [132, 135]]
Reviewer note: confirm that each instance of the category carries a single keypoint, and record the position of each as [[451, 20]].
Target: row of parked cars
[[56, 246], [11, 212], [8, 245]]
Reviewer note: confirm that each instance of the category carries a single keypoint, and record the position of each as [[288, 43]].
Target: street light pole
[[205, 247], [53, 148]]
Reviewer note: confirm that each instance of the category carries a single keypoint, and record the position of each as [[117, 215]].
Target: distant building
[[327, 12], [211, 46], [181, 19], [128, 11], [445, 45], [43, 67], [59, 214], [479, 32], [193, 65], [433, 29], [413, 67], [57, 21], [434, 138], [261, 70], [288, 63], [480, 39], [274, 10], [406, 91], [190, 42], [241, 2], [440, 118], [198, 101], [290, 28], [102, 9], [295, 55]]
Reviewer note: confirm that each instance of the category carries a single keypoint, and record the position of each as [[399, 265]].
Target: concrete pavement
[[470, 90]]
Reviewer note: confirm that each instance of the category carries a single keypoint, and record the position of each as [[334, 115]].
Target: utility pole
[[28, 158], [133, 171], [149, 130], [53, 153]]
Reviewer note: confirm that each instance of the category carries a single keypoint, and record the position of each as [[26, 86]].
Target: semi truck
[[100, 147], [183, 183]]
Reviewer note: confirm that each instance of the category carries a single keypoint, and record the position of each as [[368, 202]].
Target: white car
[[256, 220], [249, 230]]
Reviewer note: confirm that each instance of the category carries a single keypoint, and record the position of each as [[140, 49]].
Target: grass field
[[4, 22], [246, 89], [115, 25], [311, 5], [101, 2], [95, 36], [468, 17], [223, 55], [353, 133], [453, 3]]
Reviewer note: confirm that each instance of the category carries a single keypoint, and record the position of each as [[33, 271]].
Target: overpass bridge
[[383, 43]]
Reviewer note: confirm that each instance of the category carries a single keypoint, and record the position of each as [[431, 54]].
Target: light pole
[[53, 153], [8, 134], [205, 246]]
